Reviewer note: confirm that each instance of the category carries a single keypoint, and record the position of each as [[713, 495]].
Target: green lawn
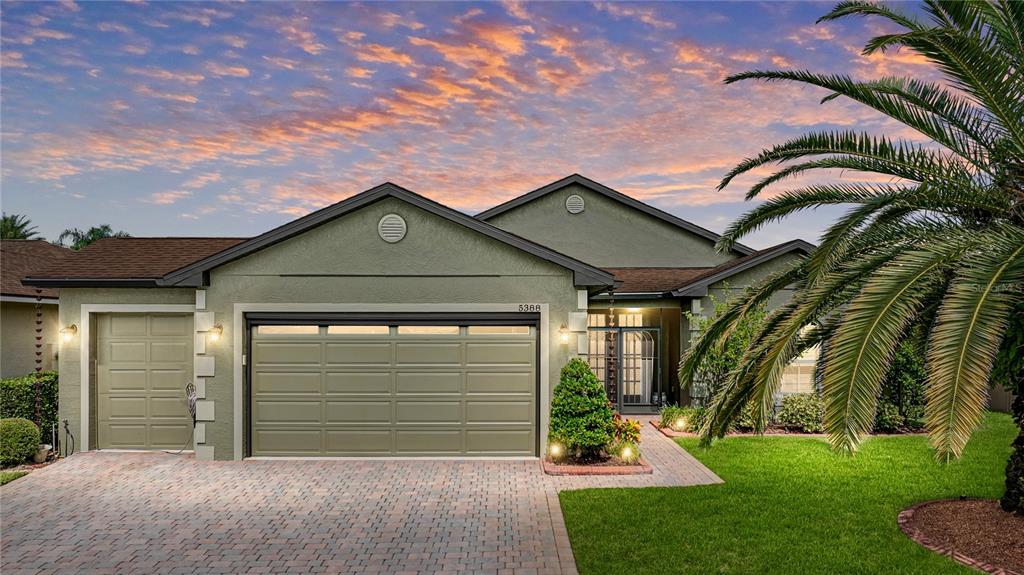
[[788, 505], [9, 476]]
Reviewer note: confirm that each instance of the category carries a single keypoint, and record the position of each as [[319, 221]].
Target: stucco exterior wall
[[607, 233], [345, 261], [18, 338], [70, 356]]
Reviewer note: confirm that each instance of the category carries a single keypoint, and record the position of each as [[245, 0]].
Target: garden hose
[[69, 443]]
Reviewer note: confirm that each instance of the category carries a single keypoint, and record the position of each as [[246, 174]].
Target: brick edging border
[[905, 522], [641, 468]]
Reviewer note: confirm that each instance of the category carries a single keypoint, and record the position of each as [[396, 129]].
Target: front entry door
[[626, 360]]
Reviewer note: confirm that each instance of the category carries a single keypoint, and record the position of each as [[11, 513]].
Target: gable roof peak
[[597, 187]]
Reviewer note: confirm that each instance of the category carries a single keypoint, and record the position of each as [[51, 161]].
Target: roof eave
[[91, 282], [699, 288]]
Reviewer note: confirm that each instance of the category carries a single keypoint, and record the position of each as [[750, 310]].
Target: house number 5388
[[530, 307]]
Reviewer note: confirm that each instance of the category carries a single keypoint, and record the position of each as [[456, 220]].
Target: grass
[[788, 505], [9, 476]]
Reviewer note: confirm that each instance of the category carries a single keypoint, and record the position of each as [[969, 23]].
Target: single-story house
[[28, 315], [386, 324]]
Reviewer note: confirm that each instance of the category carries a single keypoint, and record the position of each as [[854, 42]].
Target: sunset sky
[[200, 119]]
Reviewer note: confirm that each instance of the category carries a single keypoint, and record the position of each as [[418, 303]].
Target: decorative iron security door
[[626, 360]]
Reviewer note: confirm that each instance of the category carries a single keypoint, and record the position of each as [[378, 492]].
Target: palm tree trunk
[[1013, 499]]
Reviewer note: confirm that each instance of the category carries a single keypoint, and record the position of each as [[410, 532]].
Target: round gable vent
[[391, 228], [574, 204]]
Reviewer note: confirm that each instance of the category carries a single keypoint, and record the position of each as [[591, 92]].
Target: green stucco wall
[[18, 338], [607, 233], [437, 262]]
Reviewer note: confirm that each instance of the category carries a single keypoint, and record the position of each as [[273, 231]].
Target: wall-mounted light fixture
[[563, 335], [215, 332], [68, 332]]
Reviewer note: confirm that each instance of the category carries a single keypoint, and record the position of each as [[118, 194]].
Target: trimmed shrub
[[744, 420], [903, 386], [669, 415], [18, 398], [803, 412], [888, 418], [625, 429], [581, 415], [19, 440]]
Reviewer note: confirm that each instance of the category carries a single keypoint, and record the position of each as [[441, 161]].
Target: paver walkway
[[160, 513]]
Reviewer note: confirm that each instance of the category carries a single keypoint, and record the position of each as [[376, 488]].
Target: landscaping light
[[563, 335], [555, 450], [627, 452], [68, 332], [215, 332], [681, 424]]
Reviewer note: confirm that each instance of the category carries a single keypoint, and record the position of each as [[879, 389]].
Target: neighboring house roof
[[698, 286], [613, 194], [19, 258], [652, 280], [127, 261], [187, 261]]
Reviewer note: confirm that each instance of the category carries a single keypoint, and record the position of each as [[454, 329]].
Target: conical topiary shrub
[[581, 415]]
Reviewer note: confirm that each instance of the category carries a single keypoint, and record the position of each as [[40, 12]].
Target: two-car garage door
[[323, 388]]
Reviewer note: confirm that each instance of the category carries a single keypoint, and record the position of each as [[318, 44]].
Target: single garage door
[[143, 362], [393, 388]]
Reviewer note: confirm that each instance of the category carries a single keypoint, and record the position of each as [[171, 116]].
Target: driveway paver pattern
[[101, 512]]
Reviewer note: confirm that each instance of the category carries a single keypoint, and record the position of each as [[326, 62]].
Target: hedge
[[18, 399]]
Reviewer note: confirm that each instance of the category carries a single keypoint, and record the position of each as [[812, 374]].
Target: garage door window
[[428, 330], [288, 330], [358, 330], [499, 330]]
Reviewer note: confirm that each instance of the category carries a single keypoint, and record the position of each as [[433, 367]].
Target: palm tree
[[80, 239], [17, 227], [941, 245]]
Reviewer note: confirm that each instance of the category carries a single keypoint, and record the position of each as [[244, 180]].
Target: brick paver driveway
[[159, 513]]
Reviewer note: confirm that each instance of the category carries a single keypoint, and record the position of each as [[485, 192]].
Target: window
[[428, 330], [358, 330], [499, 330], [798, 377], [288, 330]]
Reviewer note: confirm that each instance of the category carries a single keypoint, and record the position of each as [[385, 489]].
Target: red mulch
[[975, 532], [610, 466]]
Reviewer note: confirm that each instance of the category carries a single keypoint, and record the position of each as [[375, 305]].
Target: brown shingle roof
[[19, 258], [134, 258], [645, 280]]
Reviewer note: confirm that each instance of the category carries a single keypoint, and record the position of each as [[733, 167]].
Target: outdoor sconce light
[[563, 335], [215, 332], [66, 333]]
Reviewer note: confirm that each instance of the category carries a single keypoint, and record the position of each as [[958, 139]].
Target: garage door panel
[[364, 412], [498, 412], [169, 436], [508, 353], [122, 436], [170, 325], [169, 352], [426, 441], [278, 411], [123, 408], [414, 412], [167, 407], [503, 383], [414, 392], [125, 325], [124, 380], [169, 380], [345, 353], [128, 351], [358, 442], [409, 353], [414, 382], [360, 383], [286, 353], [511, 442], [286, 382], [287, 441]]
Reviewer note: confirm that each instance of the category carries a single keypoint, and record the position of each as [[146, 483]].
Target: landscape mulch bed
[[608, 467], [975, 532], [669, 432]]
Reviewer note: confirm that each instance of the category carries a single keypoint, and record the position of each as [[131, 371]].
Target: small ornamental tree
[[581, 415]]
